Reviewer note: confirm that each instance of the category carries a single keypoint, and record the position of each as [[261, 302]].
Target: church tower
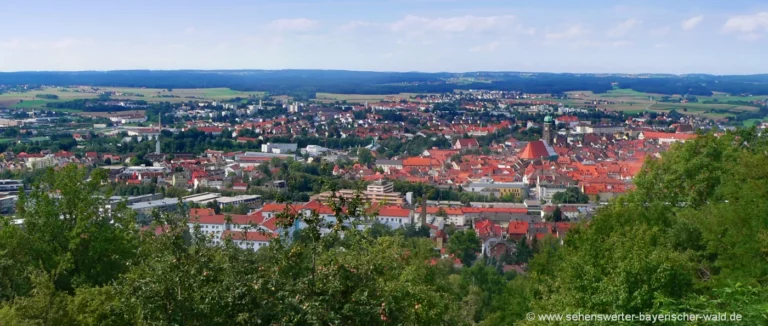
[[547, 135]]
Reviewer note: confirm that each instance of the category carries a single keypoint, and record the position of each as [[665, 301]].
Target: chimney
[[424, 210]]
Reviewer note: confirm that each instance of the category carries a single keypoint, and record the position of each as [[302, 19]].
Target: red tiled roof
[[210, 129], [420, 161], [517, 227], [208, 219], [393, 211], [201, 212], [666, 135], [494, 210], [468, 142], [534, 150], [248, 236]]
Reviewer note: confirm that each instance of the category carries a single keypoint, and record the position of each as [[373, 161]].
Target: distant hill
[[308, 82]]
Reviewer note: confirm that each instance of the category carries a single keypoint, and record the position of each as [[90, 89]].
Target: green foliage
[[571, 195], [691, 238], [71, 265], [465, 245]]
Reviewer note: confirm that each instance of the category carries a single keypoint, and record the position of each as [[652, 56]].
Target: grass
[[31, 104], [127, 93], [631, 101], [752, 122]]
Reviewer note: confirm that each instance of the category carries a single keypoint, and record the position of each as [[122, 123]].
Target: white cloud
[[661, 31], [572, 32], [623, 28], [190, 30], [293, 25], [490, 47], [748, 27], [691, 23], [747, 23], [660, 45], [459, 24]]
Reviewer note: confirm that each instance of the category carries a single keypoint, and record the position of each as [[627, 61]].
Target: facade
[[315, 150], [599, 129], [248, 200], [388, 165], [516, 189], [468, 143], [378, 192], [394, 217], [381, 186], [279, 148], [11, 185]]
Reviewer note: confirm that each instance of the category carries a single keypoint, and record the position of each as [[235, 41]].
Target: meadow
[[631, 101], [29, 100]]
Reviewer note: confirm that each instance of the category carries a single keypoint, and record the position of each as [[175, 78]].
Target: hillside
[[693, 238]]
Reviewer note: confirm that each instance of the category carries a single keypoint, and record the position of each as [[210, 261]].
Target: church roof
[[536, 150]]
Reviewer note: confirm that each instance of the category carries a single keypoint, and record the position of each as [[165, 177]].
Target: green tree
[[464, 245], [571, 195], [364, 156]]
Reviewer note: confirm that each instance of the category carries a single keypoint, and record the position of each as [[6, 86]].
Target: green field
[[30, 101], [31, 104], [630, 101], [752, 122]]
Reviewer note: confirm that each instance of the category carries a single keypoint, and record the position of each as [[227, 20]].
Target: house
[[393, 216], [278, 148], [570, 212], [249, 240], [516, 189], [215, 131], [388, 165], [665, 137], [517, 230], [467, 143], [210, 222]]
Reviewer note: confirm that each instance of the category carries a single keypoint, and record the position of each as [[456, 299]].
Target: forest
[[305, 83], [693, 238]]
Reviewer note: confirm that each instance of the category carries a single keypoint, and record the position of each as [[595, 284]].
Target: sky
[[589, 36]]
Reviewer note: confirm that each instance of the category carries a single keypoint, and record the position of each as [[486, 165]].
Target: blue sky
[[685, 36]]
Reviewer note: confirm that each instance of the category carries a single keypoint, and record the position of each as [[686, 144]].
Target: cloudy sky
[[685, 36]]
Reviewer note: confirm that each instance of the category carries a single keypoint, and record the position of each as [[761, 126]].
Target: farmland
[[716, 107], [30, 99]]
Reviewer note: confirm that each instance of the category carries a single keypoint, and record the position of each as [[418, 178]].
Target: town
[[431, 162], [511, 166]]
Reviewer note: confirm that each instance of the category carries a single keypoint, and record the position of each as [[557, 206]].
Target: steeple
[[547, 133]]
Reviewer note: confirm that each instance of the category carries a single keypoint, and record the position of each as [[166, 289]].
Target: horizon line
[[375, 71]]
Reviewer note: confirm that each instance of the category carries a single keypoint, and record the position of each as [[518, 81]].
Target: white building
[[315, 150], [279, 148], [248, 200], [394, 217]]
